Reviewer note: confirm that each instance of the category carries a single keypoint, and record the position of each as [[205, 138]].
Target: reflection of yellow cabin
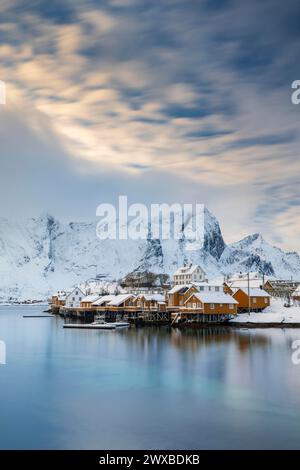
[[257, 300]]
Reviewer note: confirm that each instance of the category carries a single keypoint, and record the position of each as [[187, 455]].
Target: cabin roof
[[208, 284], [243, 283], [279, 283], [103, 299], [155, 297], [180, 288], [297, 291], [119, 299], [255, 292], [213, 298], [91, 298], [72, 291]]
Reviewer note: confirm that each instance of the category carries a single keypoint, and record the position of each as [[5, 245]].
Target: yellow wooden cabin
[[178, 295], [87, 302], [150, 302], [211, 303], [255, 301]]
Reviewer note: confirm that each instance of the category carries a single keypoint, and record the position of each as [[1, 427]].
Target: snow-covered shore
[[275, 314]]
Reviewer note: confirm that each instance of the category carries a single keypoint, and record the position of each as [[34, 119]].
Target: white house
[[189, 275], [74, 298]]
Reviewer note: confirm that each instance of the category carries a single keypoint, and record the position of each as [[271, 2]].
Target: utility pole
[[249, 303]]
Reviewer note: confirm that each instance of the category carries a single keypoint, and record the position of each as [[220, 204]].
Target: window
[[73, 298], [266, 300], [212, 306], [80, 299], [231, 306], [254, 300], [194, 305], [201, 287], [217, 288], [77, 292]]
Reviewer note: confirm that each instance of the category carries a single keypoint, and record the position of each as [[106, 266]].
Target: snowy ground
[[276, 313]]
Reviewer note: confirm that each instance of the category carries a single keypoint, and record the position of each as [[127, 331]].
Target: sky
[[183, 101]]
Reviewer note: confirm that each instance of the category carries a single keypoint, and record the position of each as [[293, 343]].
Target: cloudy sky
[[169, 101]]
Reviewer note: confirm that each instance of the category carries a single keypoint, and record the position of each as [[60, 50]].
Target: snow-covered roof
[[296, 292], [243, 283], [187, 269], [154, 297], [179, 287], [119, 299], [213, 298], [74, 290], [283, 282], [61, 296], [244, 275], [91, 298], [208, 284], [103, 299], [255, 292]]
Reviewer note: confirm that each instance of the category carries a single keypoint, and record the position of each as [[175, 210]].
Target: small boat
[[98, 325]]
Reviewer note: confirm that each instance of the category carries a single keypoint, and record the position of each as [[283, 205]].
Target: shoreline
[[229, 324]]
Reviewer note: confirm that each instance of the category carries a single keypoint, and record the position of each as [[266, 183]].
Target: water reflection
[[146, 387]]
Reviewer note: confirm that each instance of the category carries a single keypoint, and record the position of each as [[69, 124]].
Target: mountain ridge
[[41, 255]]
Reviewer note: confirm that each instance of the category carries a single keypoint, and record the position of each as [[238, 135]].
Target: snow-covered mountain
[[42, 255], [253, 253]]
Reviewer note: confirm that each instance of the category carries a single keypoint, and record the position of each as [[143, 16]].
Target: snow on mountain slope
[[253, 253], [42, 255]]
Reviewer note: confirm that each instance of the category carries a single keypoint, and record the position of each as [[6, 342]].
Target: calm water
[[146, 388]]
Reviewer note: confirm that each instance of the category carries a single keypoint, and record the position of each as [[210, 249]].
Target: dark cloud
[[265, 140], [207, 133], [186, 79]]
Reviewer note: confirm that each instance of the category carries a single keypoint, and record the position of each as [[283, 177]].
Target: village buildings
[[192, 298]]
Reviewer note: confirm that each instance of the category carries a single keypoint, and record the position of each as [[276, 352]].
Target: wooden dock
[[174, 316]]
